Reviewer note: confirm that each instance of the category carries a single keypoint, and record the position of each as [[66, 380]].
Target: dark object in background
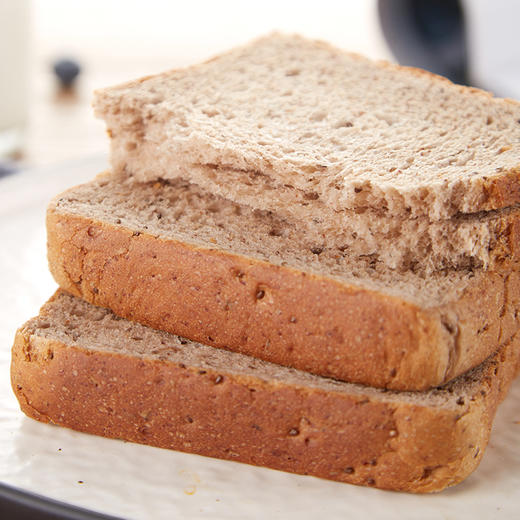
[[429, 34], [8, 167], [66, 70]]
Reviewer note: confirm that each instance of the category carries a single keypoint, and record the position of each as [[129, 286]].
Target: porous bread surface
[[177, 259], [318, 124], [183, 211], [80, 366], [463, 241]]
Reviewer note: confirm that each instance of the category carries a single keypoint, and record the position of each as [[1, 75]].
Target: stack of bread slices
[[301, 259]]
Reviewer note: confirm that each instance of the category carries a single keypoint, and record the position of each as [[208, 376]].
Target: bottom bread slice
[[80, 366]]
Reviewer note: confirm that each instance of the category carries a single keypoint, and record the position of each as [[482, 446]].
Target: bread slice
[[80, 366], [171, 256], [298, 126]]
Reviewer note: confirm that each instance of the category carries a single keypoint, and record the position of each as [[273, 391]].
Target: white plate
[[137, 481]]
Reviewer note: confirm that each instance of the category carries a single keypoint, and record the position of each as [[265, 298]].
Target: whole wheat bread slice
[[80, 366], [303, 128], [176, 258]]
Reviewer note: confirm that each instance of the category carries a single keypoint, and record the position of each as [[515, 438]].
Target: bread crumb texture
[[316, 125]]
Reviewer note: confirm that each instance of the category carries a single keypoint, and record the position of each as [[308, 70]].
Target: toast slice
[[80, 366], [172, 256], [298, 126]]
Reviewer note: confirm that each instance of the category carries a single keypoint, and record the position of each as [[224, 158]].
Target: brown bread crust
[[364, 440], [280, 314], [501, 191]]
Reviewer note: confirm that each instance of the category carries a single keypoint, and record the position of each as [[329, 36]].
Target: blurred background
[[54, 53]]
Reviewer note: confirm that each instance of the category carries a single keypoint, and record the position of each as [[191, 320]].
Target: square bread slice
[[177, 258], [82, 367], [300, 127]]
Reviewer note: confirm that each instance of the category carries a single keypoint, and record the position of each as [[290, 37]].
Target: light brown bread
[[175, 258], [80, 366], [303, 128]]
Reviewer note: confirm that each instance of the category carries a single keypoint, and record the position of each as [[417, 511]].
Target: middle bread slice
[[179, 259]]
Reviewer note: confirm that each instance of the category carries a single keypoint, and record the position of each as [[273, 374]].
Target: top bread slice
[[180, 259], [300, 127]]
